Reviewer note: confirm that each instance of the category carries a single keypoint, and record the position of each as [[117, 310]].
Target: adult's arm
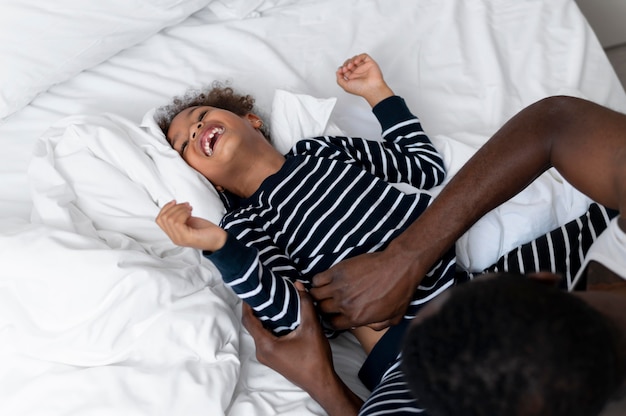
[[304, 357], [584, 141]]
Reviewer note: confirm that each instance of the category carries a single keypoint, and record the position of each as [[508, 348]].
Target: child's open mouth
[[209, 138]]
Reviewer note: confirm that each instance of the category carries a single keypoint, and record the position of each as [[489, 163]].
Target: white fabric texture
[[44, 43], [297, 116], [117, 174], [97, 184], [113, 329], [241, 9]]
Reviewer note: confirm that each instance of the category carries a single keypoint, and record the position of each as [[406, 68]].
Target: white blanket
[[97, 285], [118, 330]]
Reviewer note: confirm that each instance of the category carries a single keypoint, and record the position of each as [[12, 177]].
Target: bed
[[99, 312]]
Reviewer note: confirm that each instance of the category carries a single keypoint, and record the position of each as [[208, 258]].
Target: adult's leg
[[560, 251]]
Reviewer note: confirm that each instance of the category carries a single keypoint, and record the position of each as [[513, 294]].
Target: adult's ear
[[546, 278]]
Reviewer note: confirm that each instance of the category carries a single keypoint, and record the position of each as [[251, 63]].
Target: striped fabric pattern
[[560, 251], [392, 396], [331, 201]]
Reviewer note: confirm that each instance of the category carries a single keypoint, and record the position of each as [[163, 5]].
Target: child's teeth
[[207, 146]]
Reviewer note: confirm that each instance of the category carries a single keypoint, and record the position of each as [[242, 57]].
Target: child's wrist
[[378, 94], [215, 241]]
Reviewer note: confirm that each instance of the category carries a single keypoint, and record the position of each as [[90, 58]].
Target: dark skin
[[308, 347], [552, 132], [559, 132]]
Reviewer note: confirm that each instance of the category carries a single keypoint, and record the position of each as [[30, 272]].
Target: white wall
[[607, 18]]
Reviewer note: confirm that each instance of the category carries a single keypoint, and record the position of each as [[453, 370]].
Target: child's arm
[[262, 276], [415, 160], [406, 155], [409, 155]]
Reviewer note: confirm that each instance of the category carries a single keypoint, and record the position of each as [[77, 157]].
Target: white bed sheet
[[101, 314]]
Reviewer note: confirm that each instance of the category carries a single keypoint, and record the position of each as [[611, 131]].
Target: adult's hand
[[371, 289], [304, 357]]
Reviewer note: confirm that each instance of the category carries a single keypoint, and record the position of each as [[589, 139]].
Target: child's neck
[[262, 167]]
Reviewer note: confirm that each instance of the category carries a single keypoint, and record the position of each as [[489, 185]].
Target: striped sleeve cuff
[[391, 111], [233, 259]]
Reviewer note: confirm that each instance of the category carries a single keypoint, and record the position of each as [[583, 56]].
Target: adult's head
[[507, 345]]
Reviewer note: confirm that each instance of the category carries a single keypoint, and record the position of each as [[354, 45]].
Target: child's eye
[[183, 146]]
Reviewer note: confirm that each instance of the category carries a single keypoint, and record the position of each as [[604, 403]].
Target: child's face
[[214, 141]]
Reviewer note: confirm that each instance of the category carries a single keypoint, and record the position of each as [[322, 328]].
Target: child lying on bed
[[291, 217], [296, 215]]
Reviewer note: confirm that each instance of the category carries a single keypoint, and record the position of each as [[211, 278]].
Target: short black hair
[[511, 346]]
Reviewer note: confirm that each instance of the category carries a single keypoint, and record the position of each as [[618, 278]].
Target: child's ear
[[255, 120]]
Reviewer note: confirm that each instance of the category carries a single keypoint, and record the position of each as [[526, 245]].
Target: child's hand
[[184, 230], [361, 75]]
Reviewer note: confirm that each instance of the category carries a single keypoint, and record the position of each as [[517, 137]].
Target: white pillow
[[43, 43], [297, 116], [107, 177]]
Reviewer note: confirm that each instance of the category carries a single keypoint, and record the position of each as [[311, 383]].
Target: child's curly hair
[[216, 95]]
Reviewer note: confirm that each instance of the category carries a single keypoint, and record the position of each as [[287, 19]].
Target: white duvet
[[96, 286], [90, 329], [99, 312]]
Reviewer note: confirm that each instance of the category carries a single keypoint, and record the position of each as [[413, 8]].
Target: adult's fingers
[[264, 339], [378, 326], [308, 314]]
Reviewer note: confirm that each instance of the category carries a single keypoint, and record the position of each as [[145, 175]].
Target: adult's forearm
[[575, 136], [581, 139], [336, 398]]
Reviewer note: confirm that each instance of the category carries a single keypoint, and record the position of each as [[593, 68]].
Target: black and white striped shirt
[[331, 200]]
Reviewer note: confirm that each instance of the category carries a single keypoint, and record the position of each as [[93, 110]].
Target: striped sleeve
[[262, 277], [403, 134], [405, 155]]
